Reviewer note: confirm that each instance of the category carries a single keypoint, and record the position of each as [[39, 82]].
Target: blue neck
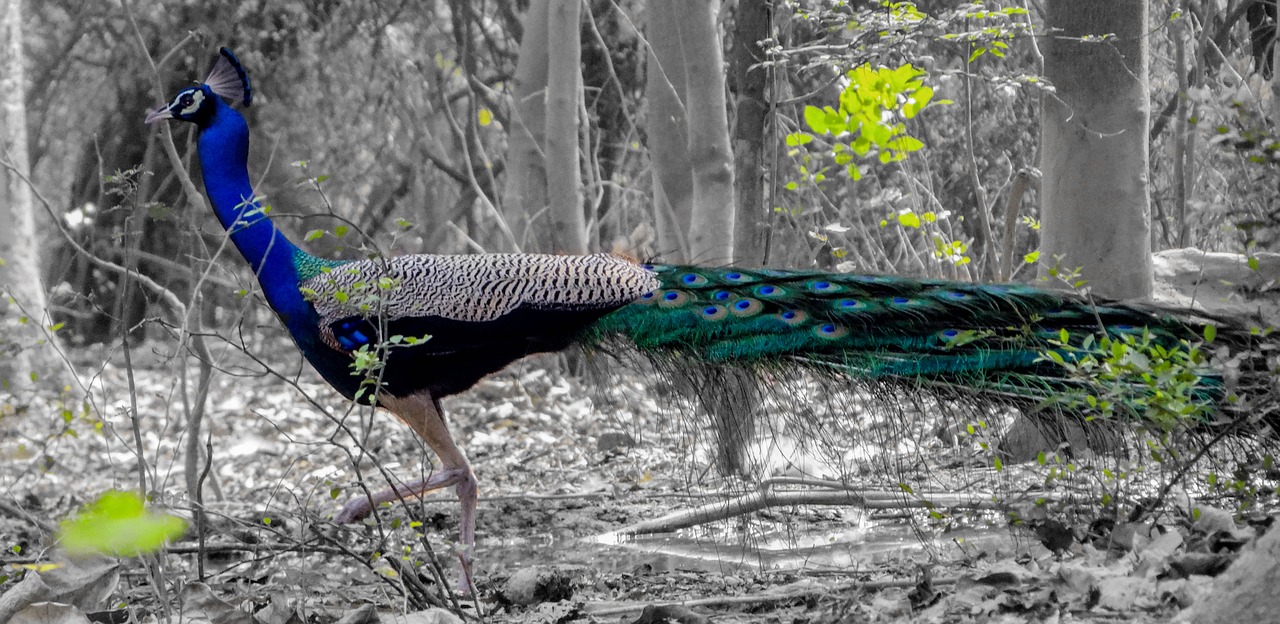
[[224, 153]]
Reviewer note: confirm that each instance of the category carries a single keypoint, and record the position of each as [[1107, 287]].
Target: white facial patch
[[187, 103]]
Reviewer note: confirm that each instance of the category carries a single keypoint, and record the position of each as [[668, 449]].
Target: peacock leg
[[422, 413]]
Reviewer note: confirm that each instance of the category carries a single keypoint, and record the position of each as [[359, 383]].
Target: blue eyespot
[[746, 307], [714, 313], [853, 304], [901, 300], [733, 277], [721, 295], [793, 317], [693, 279], [673, 299], [950, 333], [955, 294], [822, 285]]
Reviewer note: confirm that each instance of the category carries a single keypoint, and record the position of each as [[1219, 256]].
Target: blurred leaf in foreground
[[119, 524]]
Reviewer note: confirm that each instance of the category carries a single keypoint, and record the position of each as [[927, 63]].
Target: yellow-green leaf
[[119, 524], [796, 139], [484, 116], [816, 118]]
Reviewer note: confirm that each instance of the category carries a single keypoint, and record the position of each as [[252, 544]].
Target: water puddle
[[728, 548]]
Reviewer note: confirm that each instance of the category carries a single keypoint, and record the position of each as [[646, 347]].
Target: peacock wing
[[475, 300]]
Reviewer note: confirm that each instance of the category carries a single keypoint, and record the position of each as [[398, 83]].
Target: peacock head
[[196, 104]]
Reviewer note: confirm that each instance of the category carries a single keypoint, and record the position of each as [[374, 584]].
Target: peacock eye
[[187, 103]]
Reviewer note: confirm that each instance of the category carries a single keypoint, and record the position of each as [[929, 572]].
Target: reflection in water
[[726, 547]]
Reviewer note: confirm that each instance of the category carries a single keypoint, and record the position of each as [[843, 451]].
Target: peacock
[[454, 319]]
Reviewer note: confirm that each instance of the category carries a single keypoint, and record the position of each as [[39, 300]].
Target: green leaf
[[918, 101], [159, 212], [796, 139], [1032, 257], [906, 144], [340, 231], [909, 219], [312, 235], [816, 118], [118, 524], [1210, 332]]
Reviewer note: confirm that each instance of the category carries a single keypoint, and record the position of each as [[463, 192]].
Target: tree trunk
[[1096, 215], [526, 184], [1273, 79], [751, 25], [668, 131], [568, 232], [28, 354], [711, 224]]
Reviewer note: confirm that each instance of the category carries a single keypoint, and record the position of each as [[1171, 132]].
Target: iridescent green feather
[[309, 266], [878, 328]]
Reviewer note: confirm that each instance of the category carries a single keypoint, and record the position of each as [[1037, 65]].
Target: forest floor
[[562, 468]]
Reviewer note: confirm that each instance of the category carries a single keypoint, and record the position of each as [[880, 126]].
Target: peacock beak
[[159, 114]]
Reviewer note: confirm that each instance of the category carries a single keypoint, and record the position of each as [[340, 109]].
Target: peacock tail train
[[1007, 341]]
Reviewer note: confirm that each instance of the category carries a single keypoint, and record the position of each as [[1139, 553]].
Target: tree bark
[[751, 25], [525, 193], [668, 131], [711, 223], [1096, 215], [28, 354], [568, 232], [1274, 78]]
